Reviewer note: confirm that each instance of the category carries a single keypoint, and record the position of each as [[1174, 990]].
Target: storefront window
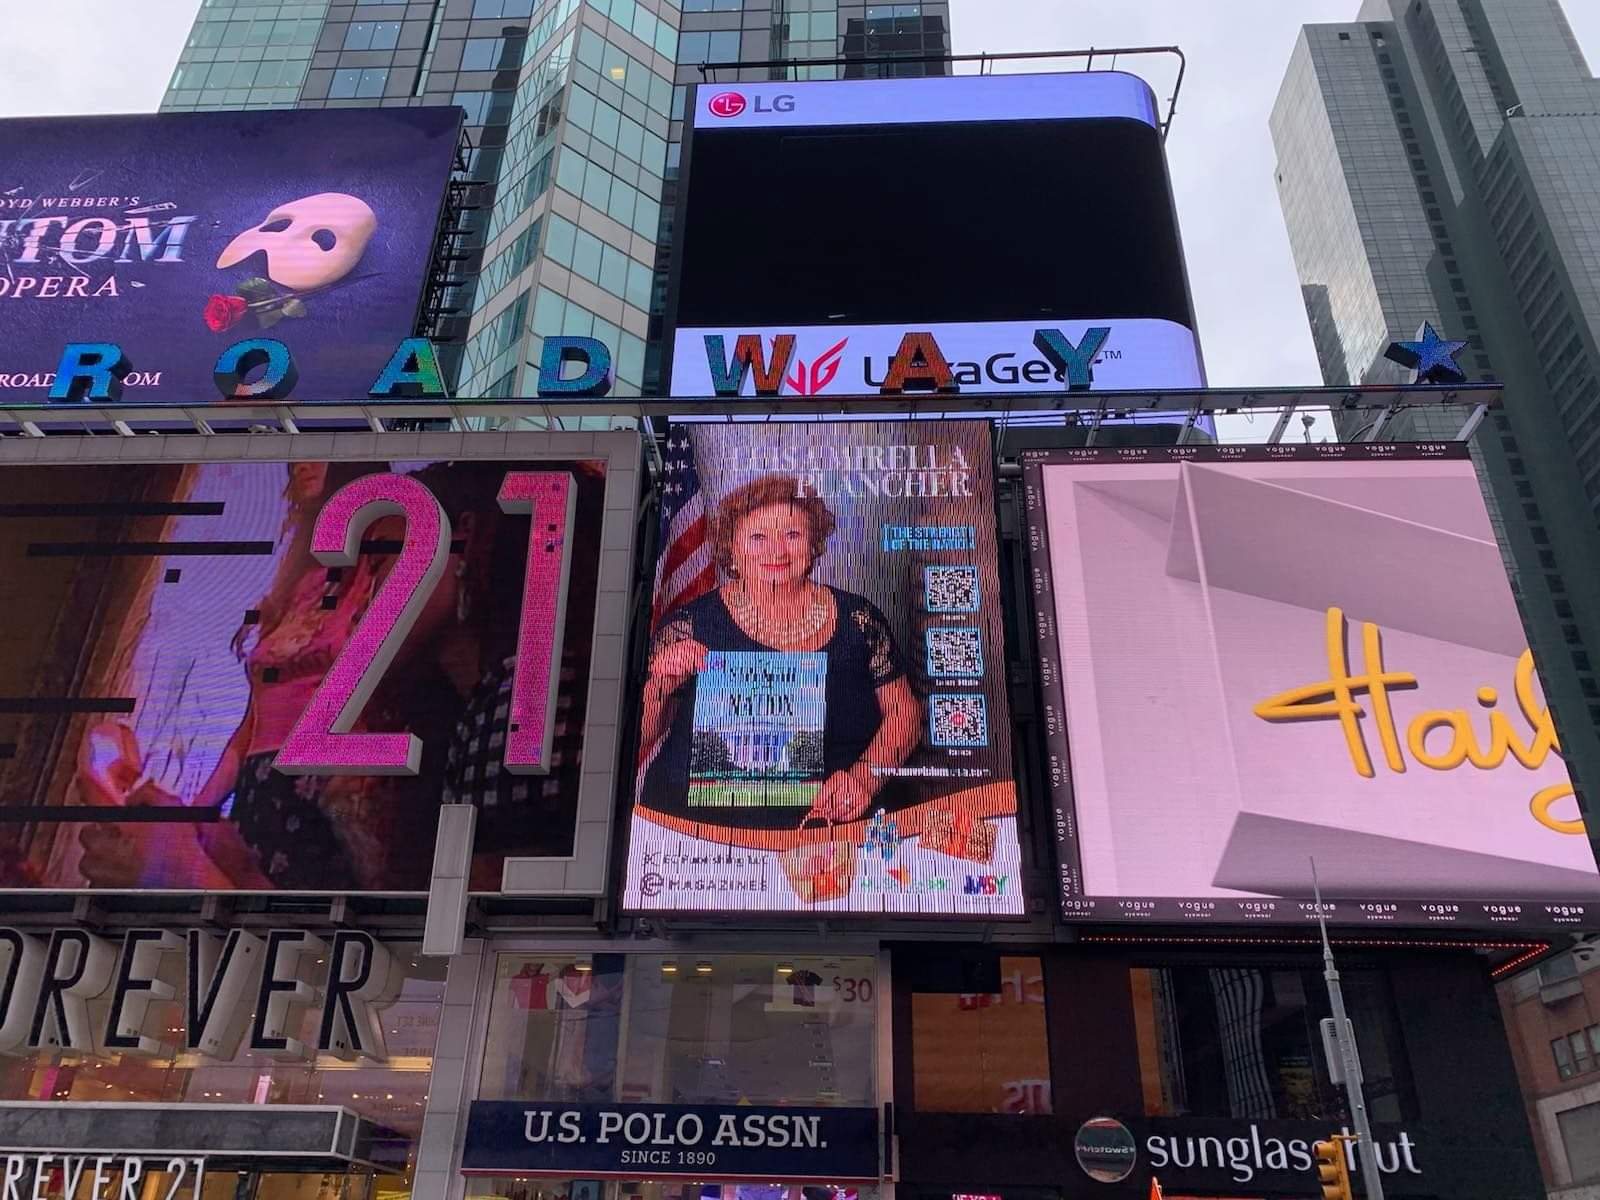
[[747, 1032], [553, 1027], [724, 1029], [1244, 1042], [984, 1051], [748, 1029], [391, 1093]]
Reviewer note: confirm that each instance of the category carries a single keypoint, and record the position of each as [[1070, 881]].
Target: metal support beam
[[1187, 431], [1470, 425], [1094, 426], [1282, 425], [1376, 432]]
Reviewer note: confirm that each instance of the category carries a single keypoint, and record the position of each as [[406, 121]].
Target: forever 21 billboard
[[267, 675]]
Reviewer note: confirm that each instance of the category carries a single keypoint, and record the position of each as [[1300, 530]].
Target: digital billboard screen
[[267, 675], [176, 235], [824, 718], [979, 209], [1256, 656]]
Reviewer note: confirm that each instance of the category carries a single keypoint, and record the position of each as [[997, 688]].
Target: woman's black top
[[862, 657]]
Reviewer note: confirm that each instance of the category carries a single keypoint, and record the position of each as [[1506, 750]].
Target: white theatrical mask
[[310, 242]]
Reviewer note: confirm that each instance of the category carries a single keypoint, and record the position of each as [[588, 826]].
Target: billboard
[[1252, 656], [824, 722], [815, 210], [176, 235], [267, 674]]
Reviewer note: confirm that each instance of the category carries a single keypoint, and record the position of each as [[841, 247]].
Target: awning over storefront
[[282, 1137]]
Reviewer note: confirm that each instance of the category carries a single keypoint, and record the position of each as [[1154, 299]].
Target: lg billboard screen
[[824, 721], [268, 675], [174, 236], [981, 210], [1256, 656]]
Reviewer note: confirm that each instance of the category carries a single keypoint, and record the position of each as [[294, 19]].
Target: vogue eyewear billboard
[[176, 235], [772, 243], [824, 715], [1254, 655], [268, 674]]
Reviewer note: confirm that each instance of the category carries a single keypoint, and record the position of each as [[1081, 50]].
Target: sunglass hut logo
[[731, 104]]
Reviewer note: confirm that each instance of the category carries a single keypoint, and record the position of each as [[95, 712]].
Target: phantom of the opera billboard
[[1257, 657], [174, 236], [1087, 289], [267, 675], [824, 721]]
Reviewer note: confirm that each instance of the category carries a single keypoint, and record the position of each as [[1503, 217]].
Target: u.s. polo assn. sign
[[659, 1141]]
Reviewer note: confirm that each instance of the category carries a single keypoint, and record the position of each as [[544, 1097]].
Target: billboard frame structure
[[708, 78], [1074, 902], [585, 872], [423, 274], [125, 418]]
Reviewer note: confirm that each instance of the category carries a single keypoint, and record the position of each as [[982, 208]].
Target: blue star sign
[[1432, 357]]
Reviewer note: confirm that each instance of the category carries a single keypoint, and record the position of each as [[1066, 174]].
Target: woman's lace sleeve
[[677, 628], [883, 655]]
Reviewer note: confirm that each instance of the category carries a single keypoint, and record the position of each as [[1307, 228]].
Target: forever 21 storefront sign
[[664, 1140]]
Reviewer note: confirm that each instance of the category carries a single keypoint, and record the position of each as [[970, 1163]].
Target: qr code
[[955, 650], [950, 589], [957, 720]]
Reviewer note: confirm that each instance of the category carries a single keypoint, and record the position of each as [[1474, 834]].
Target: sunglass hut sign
[[74, 992]]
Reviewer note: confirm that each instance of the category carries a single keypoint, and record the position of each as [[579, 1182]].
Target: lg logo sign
[[731, 104]]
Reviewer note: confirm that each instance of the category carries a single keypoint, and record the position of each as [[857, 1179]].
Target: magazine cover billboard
[[175, 235], [1253, 656], [268, 675], [824, 725]]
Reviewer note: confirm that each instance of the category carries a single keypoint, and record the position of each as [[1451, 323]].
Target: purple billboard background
[[358, 195], [1195, 608]]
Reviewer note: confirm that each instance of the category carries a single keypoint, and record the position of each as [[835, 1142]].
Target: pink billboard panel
[[1254, 656]]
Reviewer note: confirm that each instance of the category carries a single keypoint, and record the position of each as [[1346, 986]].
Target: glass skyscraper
[[1439, 160], [574, 114]]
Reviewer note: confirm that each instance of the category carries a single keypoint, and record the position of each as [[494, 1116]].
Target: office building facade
[[1552, 1015], [1438, 162], [574, 118], [567, 105], [775, 36]]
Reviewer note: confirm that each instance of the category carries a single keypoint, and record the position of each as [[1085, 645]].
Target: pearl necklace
[[773, 631]]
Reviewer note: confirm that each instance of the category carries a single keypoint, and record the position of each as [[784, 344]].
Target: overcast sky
[[104, 56]]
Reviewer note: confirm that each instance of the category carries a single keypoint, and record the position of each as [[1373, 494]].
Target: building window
[[485, 108], [1580, 1135], [489, 54], [712, 5], [502, 8], [979, 1045], [372, 35], [1243, 1042], [353, 83], [1577, 1053], [717, 46], [713, 1029]]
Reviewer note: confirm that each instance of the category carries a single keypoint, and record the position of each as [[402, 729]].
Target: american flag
[[684, 565]]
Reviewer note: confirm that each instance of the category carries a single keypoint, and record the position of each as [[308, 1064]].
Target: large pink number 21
[[548, 497], [321, 742]]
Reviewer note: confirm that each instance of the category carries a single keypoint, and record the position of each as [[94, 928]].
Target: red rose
[[224, 312]]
